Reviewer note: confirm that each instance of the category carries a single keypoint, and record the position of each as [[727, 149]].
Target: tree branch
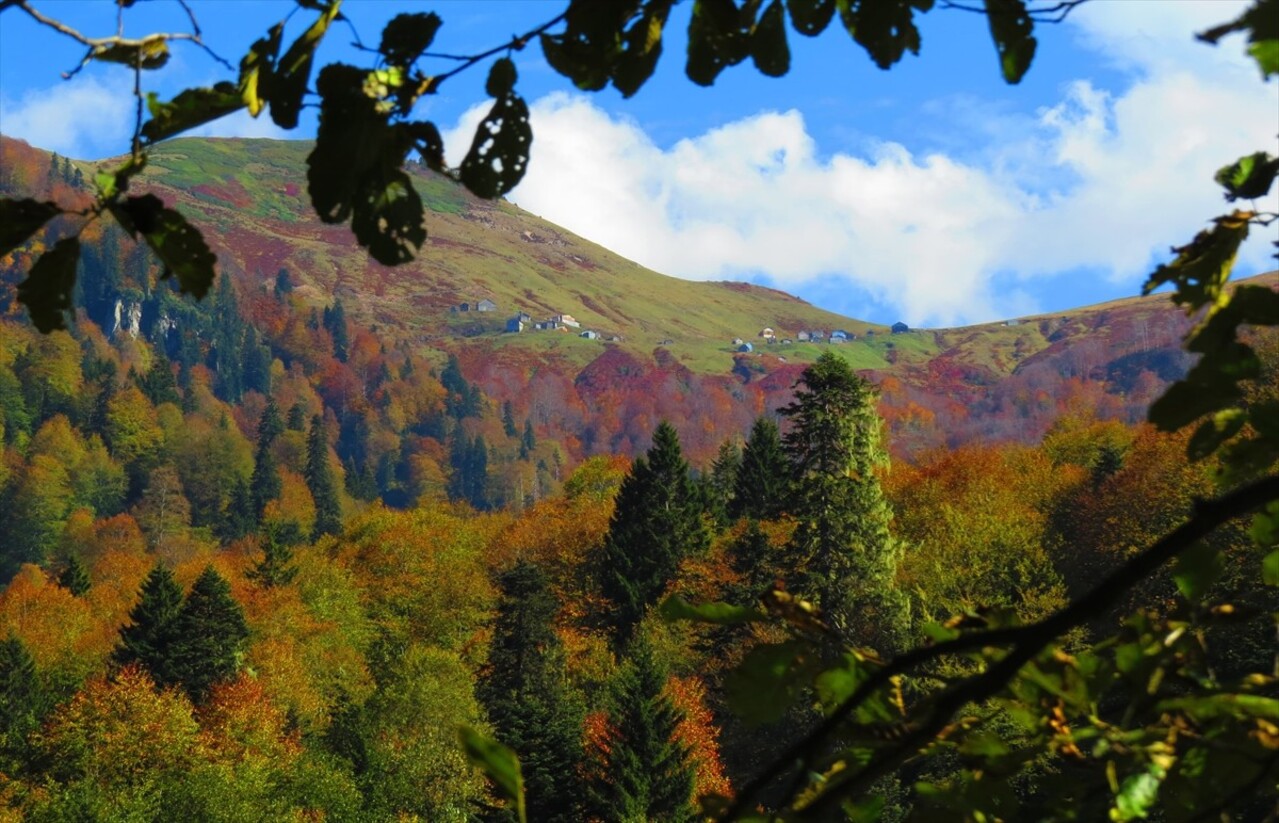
[[1026, 641]]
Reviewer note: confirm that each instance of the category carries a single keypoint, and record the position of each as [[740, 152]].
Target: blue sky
[[932, 193]]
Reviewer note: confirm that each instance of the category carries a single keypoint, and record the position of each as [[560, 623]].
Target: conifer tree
[[528, 441], [266, 485], [158, 383], [240, 515], [335, 322], [508, 420], [296, 421], [657, 523], [274, 569], [647, 773], [525, 691], [721, 479], [75, 577], [319, 479], [209, 634], [21, 702], [283, 283], [752, 557], [761, 487], [842, 553], [147, 639]]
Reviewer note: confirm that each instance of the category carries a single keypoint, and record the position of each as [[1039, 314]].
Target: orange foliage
[[699, 733], [239, 721], [59, 629]]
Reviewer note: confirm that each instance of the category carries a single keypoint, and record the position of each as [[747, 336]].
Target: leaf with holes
[[886, 29], [19, 219], [47, 290], [1012, 29], [407, 36], [1202, 267], [810, 17], [178, 244], [499, 153]]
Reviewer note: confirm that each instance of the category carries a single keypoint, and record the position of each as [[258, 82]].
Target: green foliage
[[209, 634], [319, 479], [656, 524], [147, 639], [843, 554], [275, 568], [526, 694], [22, 702], [499, 764], [761, 487], [75, 577], [647, 773]]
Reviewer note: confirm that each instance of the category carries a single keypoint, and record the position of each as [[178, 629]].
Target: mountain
[[666, 346]]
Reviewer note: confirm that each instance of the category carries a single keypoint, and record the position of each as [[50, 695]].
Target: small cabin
[[567, 320], [767, 333], [746, 348], [838, 334], [737, 341], [486, 305], [590, 335], [900, 328], [804, 337], [787, 341], [515, 325]]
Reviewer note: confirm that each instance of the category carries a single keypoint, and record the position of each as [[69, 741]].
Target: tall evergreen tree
[[22, 702], [209, 636], [525, 691], [275, 568], [528, 441], [75, 577], [647, 774], [843, 553], [335, 322], [657, 523], [761, 487], [296, 421], [319, 479], [508, 420], [147, 639], [158, 383], [266, 485], [283, 283], [240, 516], [721, 479]]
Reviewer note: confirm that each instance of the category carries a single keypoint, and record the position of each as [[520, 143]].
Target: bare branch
[[1055, 13]]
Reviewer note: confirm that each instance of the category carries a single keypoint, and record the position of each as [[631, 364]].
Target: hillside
[[666, 346]]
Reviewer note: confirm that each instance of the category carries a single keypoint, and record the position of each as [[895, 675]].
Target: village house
[[486, 305], [516, 324], [590, 335], [567, 320], [900, 328], [767, 333], [737, 341], [803, 337], [746, 348]]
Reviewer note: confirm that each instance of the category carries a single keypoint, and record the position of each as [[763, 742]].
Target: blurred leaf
[[150, 53], [178, 244], [406, 36], [1249, 177], [1202, 268], [257, 70], [1012, 28], [389, 220], [1137, 795], [19, 219], [1197, 569], [810, 17], [1214, 431], [641, 48], [767, 682], [1270, 569], [837, 684], [499, 153], [1261, 21], [497, 762], [191, 108], [886, 29], [769, 49], [114, 183], [293, 71], [502, 77], [719, 36], [47, 290], [725, 614]]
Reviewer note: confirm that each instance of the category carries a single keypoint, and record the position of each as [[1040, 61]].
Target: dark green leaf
[[886, 29], [1214, 431], [293, 71], [1197, 569], [810, 17], [19, 219], [178, 244], [1261, 21], [497, 762], [641, 48], [1270, 568], [768, 44], [407, 36], [149, 53], [388, 219], [724, 614], [1185, 402], [1249, 177], [718, 37], [47, 290], [767, 681], [428, 143], [502, 78], [113, 183], [1013, 31], [257, 70], [191, 108], [836, 684], [499, 153], [1202, 267]]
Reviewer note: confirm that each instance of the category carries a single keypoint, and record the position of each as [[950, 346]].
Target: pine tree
[[75, 577], [319, 479], [148, 637], [158, 383], [335, 322], [274, 568], [266, 485], [508, 420], [209, 636], [722, 478], [528, 442], [762, 486], [297, 418], [525, 691], [752, 557], [22, 701], [283, 283], [657, 523], [239, 518], [842, 551], [647, 774]]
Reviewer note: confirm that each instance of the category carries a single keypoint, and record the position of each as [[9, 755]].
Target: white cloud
[[84, 118], [1128, 173], [242, 124]]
